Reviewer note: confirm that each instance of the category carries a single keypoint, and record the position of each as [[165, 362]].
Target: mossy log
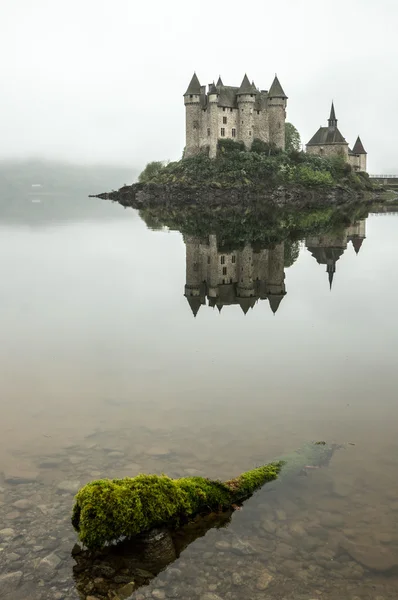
[[109, 510]]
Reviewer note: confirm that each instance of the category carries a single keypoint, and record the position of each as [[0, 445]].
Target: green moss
[[250, 481], [107, 510]]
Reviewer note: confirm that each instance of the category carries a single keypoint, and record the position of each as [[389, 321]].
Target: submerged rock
[[9, 583], [21, 476], [23, 504], [70, 487], [7, 533], [264, 580], [371, 556], [50, 562]]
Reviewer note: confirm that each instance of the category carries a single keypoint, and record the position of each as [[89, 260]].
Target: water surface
[[107, 372]]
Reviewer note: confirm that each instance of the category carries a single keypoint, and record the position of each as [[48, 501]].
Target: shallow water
[[105, 372]]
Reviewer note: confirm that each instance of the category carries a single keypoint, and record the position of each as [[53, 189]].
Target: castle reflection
[[217, 276]]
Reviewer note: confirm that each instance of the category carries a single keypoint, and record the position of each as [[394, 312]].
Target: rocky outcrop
[[151, 195]]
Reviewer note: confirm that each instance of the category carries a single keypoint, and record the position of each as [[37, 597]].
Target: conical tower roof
[[276, 90], [245, 304], [331, 270], [194, 86], [213, 89], [357, 243], [195, 304], [358, 147], [219, 82], [274, 301], [246, 87], [332, 121]]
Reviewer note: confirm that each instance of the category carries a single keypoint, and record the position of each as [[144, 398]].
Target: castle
[[238, 113], [328, 141], [250, 274]]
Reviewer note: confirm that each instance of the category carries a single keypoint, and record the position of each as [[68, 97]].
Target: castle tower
[[360, 154], [276, 276], [246, 97], [212, 123], [192, 117], [277, 114]]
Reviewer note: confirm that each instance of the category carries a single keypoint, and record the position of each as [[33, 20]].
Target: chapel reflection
[[219, 276], [329, 247]]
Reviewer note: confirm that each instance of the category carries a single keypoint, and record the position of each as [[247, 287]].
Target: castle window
[[224, 120], [223, 109], [208, 260], [251, 95], [258, 112], [242, 122], [230, 110], [234, 259], [224, 270], [222, 131], [222, 260], [195, 124], [250, 132], [195, 267], [190, 95], [233, 132], [208, 131], [279, 125]]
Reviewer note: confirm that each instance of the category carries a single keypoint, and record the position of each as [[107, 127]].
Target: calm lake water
[[105, 372]]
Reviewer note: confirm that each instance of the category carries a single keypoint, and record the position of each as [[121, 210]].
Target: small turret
[[213, 92], [361, 153], [358, 147], [277, 114]]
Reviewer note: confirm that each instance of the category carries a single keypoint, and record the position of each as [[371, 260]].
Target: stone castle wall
[[204, 125], [329, 150]]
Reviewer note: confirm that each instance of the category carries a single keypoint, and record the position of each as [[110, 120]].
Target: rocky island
[[263, 176]]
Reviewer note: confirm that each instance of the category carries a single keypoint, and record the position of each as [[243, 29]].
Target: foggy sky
[[102, 80]]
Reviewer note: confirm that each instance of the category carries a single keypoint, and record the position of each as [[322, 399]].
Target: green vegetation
[[151, 171], [263, 168], [292, 138], [107, 510], [262, 226]]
